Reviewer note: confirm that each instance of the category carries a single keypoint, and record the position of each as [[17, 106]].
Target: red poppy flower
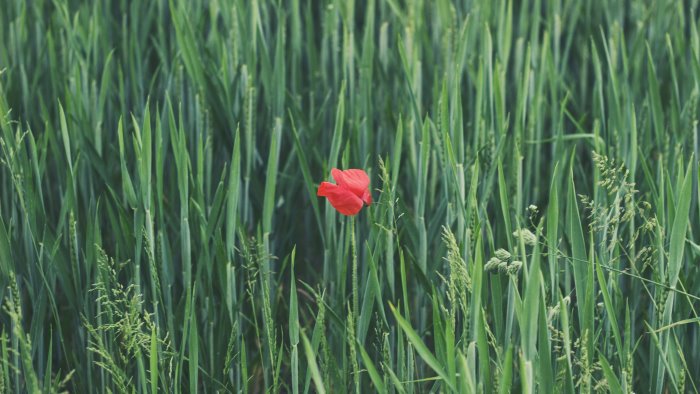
[[349, 192]]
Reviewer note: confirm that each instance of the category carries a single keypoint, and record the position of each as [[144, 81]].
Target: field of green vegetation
[[534, 176]]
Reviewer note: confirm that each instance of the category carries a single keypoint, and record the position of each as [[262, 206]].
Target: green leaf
[[680, 226], [271, 177], [610, 310], [579, 259], [610, 377], [154, 360], [420, 347], [194, 353], [313, 366], [294, 325], [372, 370]]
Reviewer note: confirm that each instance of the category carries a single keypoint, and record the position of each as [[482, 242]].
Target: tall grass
[[534, 168]]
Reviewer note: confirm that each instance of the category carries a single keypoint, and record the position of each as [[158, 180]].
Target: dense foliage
[[533, 166]]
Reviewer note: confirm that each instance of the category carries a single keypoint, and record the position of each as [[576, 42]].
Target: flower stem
[[353, 245]]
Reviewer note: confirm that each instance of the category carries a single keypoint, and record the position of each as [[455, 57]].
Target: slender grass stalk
[[533, 169]]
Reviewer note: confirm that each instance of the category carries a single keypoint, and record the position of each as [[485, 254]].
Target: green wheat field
[[535, 224]]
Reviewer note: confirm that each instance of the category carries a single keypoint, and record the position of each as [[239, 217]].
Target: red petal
[[367, 197], [355, 180], [323, 189], [340, 198]]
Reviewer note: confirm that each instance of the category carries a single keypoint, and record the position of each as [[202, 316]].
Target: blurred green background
[[533, 167]]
